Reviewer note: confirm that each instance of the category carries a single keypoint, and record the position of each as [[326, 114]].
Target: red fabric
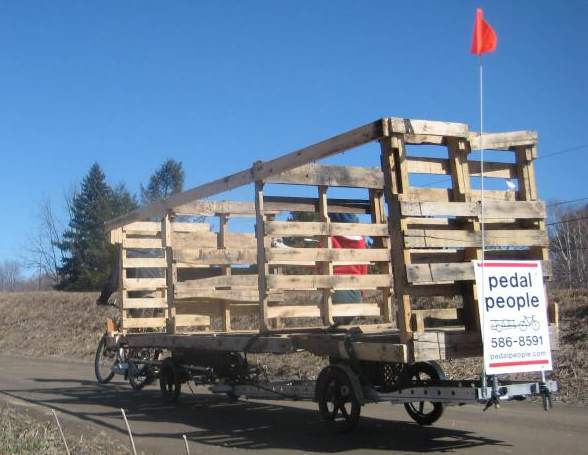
[[484, 39], [355, 242]]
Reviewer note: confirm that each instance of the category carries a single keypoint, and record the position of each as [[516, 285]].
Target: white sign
[[513, 315]]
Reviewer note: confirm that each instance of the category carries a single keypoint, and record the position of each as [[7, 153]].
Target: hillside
[[69, 325]]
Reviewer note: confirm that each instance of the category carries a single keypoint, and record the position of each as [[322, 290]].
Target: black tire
[[422, 374], [169, 381], [339, 406], [104, 361]]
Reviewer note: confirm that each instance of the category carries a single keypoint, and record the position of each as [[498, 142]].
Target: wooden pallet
[[424, 237]]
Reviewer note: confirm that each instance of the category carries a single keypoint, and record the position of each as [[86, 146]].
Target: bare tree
[[10, 276], [43, 252], [569, 247]]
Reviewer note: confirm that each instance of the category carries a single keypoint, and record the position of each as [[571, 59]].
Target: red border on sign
[[519, 363], [507, 264]]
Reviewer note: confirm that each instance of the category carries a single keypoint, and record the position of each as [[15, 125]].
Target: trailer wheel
[[339, 406], [144, 373], [169, 381], [104, 361], [418, 375]]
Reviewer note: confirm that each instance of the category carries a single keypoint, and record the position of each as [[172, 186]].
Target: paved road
[[216, 425]]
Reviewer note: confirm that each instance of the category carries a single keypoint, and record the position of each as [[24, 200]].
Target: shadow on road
[[217, 421]]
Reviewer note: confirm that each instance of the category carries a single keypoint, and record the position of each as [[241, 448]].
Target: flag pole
[[483, 229]]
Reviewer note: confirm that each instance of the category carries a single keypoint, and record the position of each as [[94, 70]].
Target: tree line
[[78, 256]]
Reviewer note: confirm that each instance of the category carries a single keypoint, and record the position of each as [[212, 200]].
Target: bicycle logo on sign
[[500, 325]]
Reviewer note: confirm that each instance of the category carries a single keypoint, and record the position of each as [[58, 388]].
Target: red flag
[[484, 39]]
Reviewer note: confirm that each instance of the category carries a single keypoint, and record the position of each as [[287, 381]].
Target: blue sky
[[218, 85]]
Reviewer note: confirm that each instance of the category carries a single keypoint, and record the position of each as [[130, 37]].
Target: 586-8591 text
[[529, 340]]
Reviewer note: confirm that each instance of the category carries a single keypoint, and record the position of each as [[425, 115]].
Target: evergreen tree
[[88, 255], [167, 180], [122, 200]]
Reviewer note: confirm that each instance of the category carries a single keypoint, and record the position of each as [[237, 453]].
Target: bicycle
[[113, 357]]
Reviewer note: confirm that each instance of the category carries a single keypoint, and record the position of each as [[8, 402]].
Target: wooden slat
[[209, 240], [428, 127], [309, 204], [233, 295], [148, 227], [325, 281], [146, 323], [293, 228], [143, 284], [199, 256], [426, 139], [493, 170], [310, 311], [323, 254], [492, 209], [233, 281], [431, 238], [259, 171], [416, 194], [418, 165], [185, 320], [185, 240], [343, 176], [144, 263], [190, 227], [142, 243], [444, 272], [156, 302], [212, 208], [503, 141]]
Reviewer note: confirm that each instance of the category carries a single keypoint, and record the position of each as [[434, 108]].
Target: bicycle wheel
[[141, 374], [104, 361]]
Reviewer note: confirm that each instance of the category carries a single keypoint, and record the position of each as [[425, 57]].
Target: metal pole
[[483, 228]]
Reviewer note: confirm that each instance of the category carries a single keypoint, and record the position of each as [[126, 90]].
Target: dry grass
[[69, 325], [52, 324], [25, 434]]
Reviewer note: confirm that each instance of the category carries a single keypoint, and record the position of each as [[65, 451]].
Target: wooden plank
[[258, 172], [184, 320], [198, 256], [143, 284], [144, 323], [502, 141], [157, 302], [262, 265], [309, 204], [421, 165], [144, 263], [423, 139], [293, 228], [170, 273], [326, 281], [443, 238], [431, 273], [341, 176], [431, 255], [444, 345], [142, 243], [313, 311], [213, 208], [184, 240], [378, 216], [428, 127], [190, 227], [492, 209], [233, 295], [323, 254], [326, 345], [395, 169], [140, 227], [416, 194], [493, 169], [434, 290], [233, 281]]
